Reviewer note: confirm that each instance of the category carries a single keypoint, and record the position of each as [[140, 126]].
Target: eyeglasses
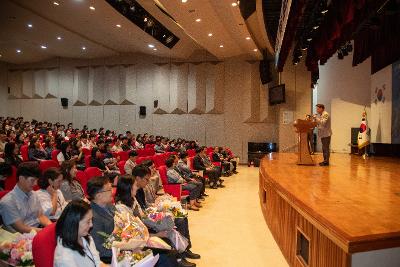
[[103, 191]]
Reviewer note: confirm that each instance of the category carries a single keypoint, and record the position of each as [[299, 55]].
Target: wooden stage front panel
[[351, 206]]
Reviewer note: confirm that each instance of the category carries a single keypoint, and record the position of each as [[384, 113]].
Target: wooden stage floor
[[355, 202]]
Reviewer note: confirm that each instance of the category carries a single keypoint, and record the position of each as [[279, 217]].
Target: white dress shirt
[[66, 257], [47, 205]]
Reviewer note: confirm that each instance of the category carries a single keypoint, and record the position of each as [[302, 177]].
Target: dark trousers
[[212, 174], [202, 180], [194, 189], [234, 164], [326, 141]]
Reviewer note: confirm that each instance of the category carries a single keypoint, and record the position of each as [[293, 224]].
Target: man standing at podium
[[324, 131]]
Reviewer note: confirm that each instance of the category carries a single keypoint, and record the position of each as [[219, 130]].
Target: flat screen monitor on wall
[[276, 94]]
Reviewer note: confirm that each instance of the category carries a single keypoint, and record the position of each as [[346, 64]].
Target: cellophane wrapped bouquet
[[158, 220], [16, 249], [127, 240], [167, 203]]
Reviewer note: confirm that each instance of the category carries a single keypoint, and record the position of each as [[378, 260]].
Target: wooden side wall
[[284, 223]]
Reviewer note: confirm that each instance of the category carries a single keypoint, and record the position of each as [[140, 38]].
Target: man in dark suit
[[209, 170]]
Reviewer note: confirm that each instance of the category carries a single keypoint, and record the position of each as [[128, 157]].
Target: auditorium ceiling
[[36, 30]]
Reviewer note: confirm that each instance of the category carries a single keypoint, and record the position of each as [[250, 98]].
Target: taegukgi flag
[[363, 134]]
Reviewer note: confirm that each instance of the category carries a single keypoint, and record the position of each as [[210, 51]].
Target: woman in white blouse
[[75, 247], [50, 196]]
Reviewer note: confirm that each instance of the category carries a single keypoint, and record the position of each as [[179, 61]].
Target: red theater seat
[[54, 154], [11, 181], [45, 164], [174, 190], [43, 246], [121, 165], [92, 172], [24, 152], [81, 177]]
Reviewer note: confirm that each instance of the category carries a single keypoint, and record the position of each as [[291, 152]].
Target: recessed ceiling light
[[155, 49], [234, 4], [151, 45], [255, 49], [19, 51], [248, 38], [198, 20], [210, 34], [43, 46], [309, 39], [59, 37], [83, 48], [315, 27], [30, 25], [92, 8], [221, 46], [56, 3], [118, 25], [184, 1]]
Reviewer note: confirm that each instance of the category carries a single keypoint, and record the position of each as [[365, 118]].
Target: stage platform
[[347, 214]]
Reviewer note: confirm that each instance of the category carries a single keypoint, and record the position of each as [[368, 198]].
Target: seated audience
[[210, 171], [141, 174], [75, 246], [11, 156], [158, 148], [185, 171], [35, 151], [65, 152], [117, 146], [3, 140], [99, 190], [131, 162], [49, 146], [218, 157], [50, 196], [70, 187], [125, 144], [193, 187], [155, 179], [20, 209]]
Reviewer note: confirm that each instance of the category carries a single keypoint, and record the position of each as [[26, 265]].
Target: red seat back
[[121, 165], [162, 170], [141, 152], [86, 151], [24, 152], [11, 181], [191, 152], [123, 155], [190, 163], [45, 164], [149, 151], [87, 161], [92, 172], [210, 150], [43, 246], [82, 179], [159, 160], [54, 154]]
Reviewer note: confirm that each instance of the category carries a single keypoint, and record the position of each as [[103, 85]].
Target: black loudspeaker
[[354, 135], [155, 103], [142, 111], [64, 102], [265, 72]]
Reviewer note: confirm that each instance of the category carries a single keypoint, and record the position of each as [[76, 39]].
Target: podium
[[303, 127]]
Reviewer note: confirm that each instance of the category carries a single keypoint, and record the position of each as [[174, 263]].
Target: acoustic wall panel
[[215, 87], [50, 107], [111, 116], [39, 86], [79, 116], [95, 117], [51, 83], [127, 118], [96, 85], [81, 83], [161, 88], [27, 84], [112, 85], [15, 84], [196, 88], [264, 103], [127, 90], [179, 88], [251, 93]]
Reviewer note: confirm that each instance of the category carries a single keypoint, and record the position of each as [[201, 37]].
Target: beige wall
[[345, 91], [298, 101], [232, 106]]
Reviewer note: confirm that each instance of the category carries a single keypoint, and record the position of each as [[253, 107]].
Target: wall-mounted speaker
[[155, 103], [64, 102], [142, 110], [265, 72]]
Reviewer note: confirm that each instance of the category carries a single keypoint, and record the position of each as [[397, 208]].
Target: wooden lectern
[[303, 127]]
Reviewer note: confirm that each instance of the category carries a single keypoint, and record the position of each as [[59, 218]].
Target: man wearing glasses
[[20, 209]]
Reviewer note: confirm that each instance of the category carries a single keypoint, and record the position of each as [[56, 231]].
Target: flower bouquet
[[167, 203], [126, 258], [129, 233], [158, 220], [16, 249]]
